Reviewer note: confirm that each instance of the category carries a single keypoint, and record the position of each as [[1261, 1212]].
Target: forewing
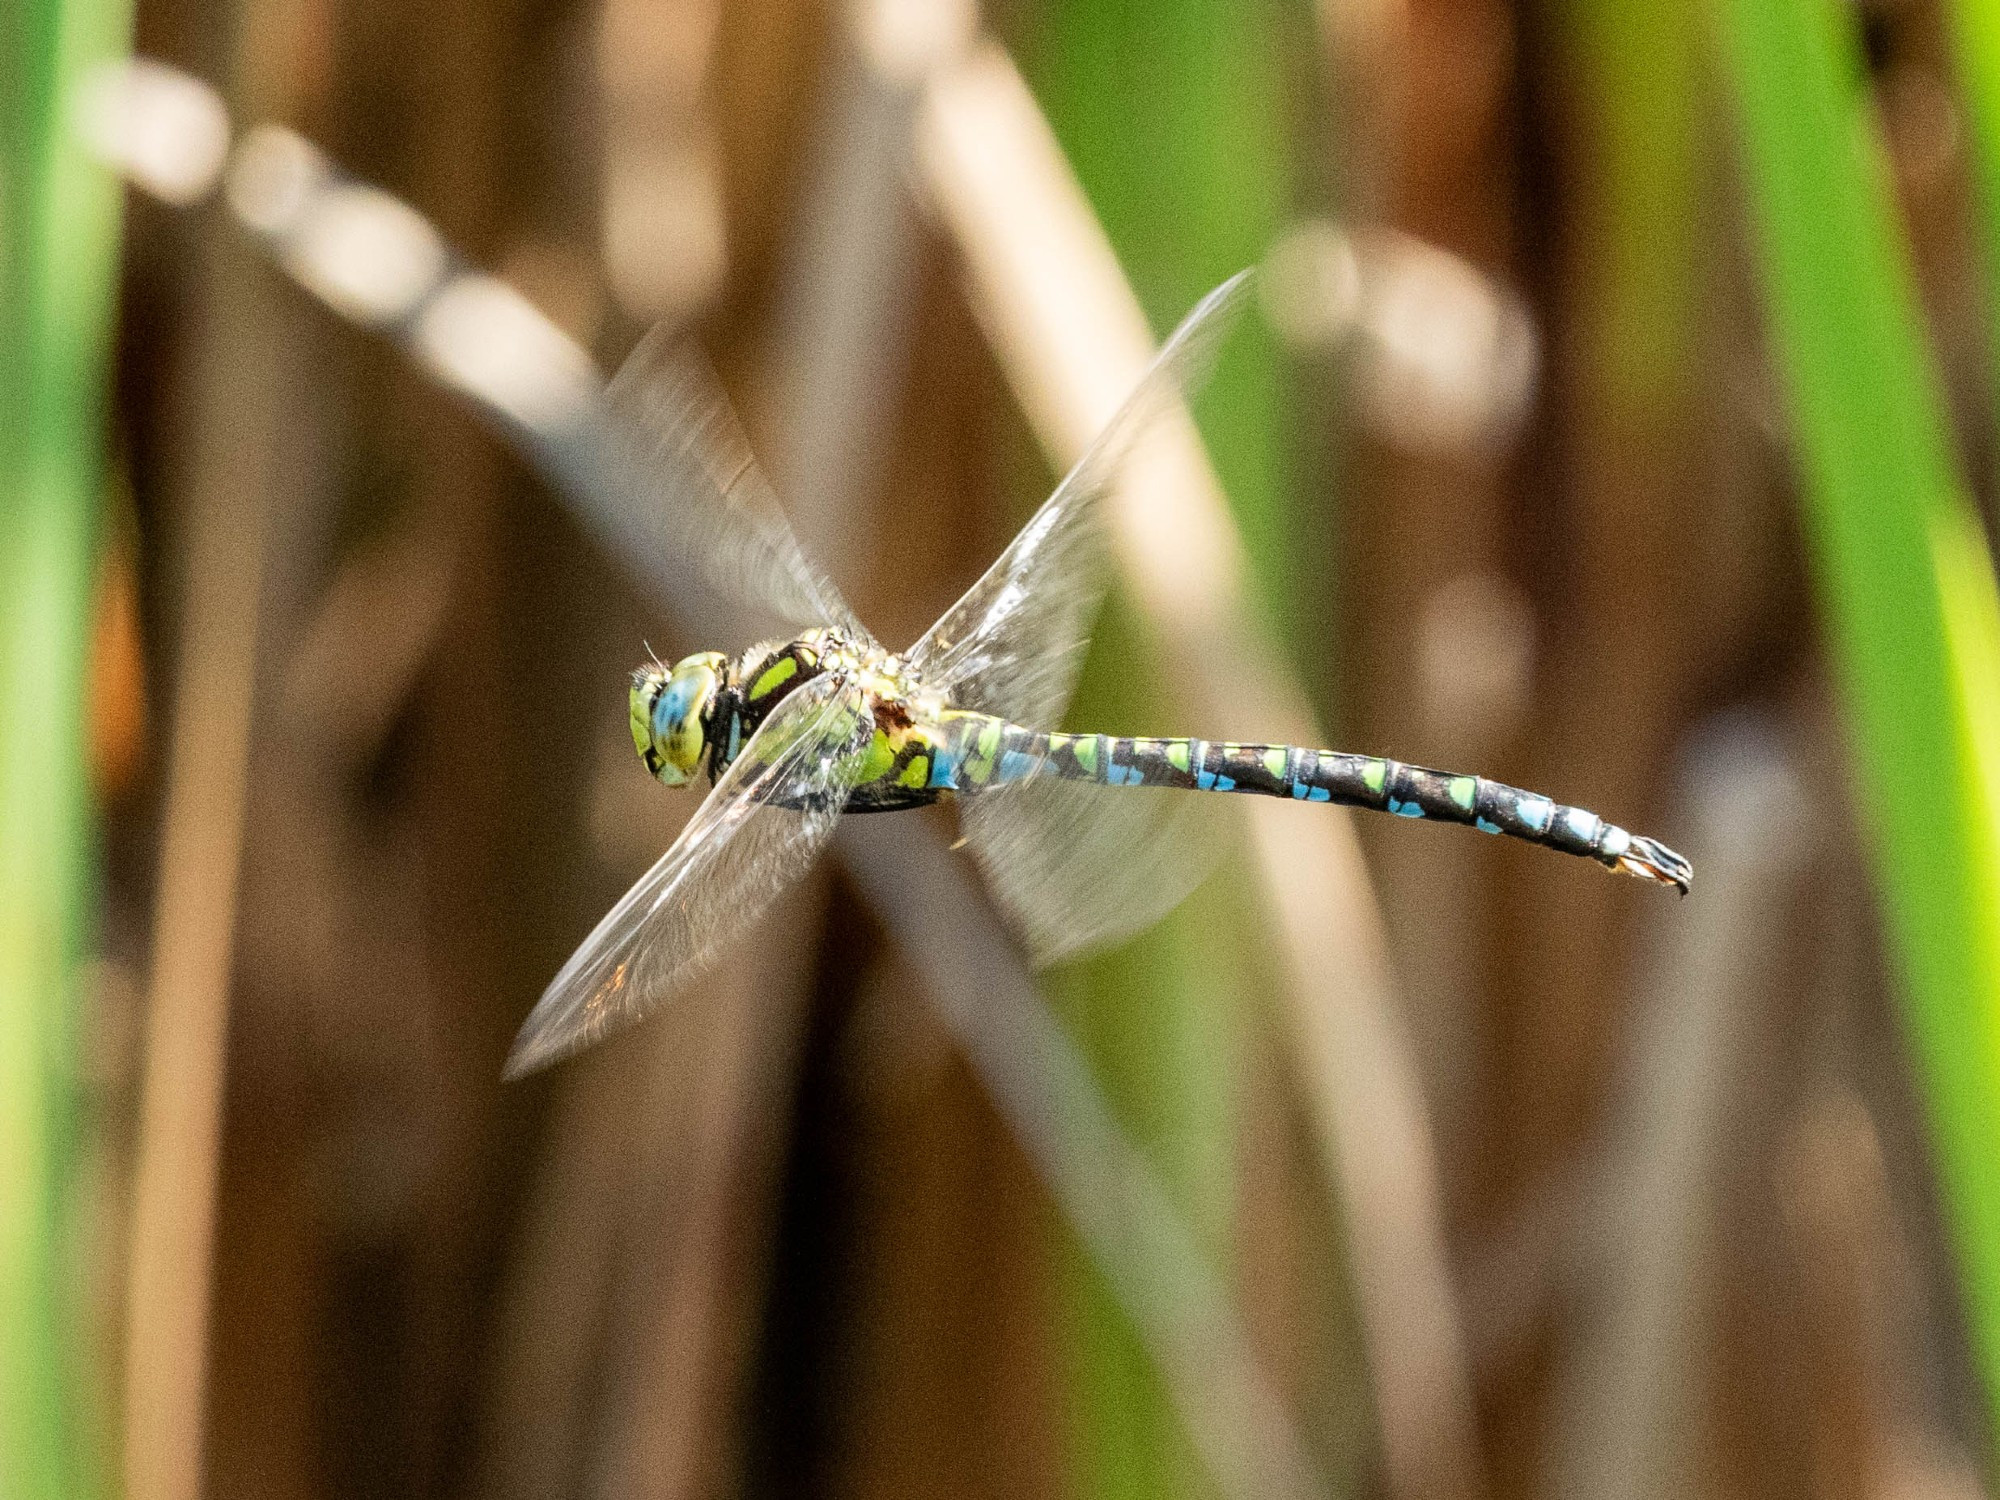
[[757, 831], [674, 432], [1078, 865], [1013, 645]]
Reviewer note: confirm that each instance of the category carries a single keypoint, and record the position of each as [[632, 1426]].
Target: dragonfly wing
[[756, 832], [1013, 645], [675, 431], [1078, 865]]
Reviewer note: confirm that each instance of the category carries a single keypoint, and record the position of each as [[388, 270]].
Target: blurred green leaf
[[58, 228], [1906, 583], [1174, 114], [1638, 63]]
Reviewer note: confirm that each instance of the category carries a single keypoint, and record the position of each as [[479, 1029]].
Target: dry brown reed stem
[[1365, 42], [167, 1297], [1073, 340], [1629, 1422], [846, 296]]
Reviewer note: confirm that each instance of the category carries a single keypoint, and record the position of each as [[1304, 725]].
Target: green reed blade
[[1172, 113], [1908, 593], [58, 231]]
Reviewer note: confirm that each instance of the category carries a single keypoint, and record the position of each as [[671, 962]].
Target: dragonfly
[[1075, 834]]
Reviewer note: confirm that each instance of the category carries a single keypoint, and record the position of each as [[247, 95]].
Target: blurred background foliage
[[1620, 424]]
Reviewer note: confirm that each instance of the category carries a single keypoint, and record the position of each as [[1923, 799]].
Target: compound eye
[[677, 728], [647, 690], [684, 745]]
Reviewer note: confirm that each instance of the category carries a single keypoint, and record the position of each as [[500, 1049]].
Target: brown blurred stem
[[1629, 1419], [167, 1306]]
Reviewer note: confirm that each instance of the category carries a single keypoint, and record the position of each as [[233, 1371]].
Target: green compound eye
[[674, 731], [647, 683], [681, 746]]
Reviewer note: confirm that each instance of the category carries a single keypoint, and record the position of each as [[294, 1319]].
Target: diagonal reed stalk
[[1071, 337], [58, 232], [1906, 584]]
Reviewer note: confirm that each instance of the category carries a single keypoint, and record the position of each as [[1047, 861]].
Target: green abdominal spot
[[881, 756]]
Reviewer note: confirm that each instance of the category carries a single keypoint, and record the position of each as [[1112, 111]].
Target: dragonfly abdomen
[[1307, 775]]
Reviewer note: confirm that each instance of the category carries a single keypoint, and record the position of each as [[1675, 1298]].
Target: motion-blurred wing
[[1078, 865], [677, 434], [759, 829], [1012, 646]]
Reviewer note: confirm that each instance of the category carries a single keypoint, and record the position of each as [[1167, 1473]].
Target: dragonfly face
[[669, 711]]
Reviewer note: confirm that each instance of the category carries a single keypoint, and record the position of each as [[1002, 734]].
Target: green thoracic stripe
[[778, 673]]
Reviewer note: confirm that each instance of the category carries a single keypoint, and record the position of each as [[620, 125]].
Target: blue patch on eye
[[671, 708]]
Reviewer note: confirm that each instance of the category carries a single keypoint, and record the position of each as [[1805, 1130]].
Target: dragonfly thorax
[[705, 707]]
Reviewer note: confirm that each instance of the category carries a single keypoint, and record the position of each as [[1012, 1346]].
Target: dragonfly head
[[669, 709]]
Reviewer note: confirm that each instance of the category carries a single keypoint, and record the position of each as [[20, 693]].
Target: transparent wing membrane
[[1078, 865], [723, 519], [758, 830], [1012, 646]]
